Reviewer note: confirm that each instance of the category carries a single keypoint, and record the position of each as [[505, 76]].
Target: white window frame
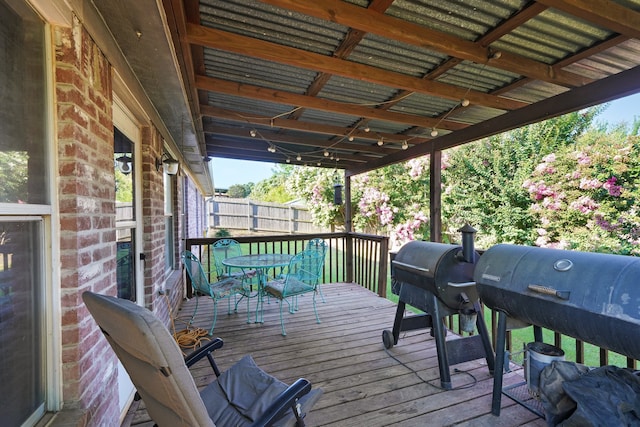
[[50, 254]]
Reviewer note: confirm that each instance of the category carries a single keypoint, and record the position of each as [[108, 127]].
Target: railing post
[[347, 228], [382, 273], [188, 290], [349, 257]]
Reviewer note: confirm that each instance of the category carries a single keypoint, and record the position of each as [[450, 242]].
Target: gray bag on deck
[[574, 395]]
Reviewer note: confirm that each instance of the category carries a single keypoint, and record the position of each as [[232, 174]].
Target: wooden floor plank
[[363, 383]]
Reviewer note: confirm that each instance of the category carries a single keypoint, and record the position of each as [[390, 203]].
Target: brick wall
[[83, 91], [153, 214], [156, 277], [87, 219]]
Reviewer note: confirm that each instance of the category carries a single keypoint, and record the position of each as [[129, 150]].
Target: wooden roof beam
[[604, 14], [250, 47], [276, 137], [254, 119], [392, 28], [288, 98], [604, 90]]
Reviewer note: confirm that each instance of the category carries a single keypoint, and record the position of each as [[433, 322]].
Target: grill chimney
[[468, 247]]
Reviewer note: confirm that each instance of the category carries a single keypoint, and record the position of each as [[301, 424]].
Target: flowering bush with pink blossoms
[[587, 196], [562, 183]]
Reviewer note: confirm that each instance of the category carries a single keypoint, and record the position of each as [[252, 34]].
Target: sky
[[227, 172], [623, 109]]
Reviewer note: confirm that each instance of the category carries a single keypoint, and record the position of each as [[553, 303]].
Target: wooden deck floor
[[364, 384]]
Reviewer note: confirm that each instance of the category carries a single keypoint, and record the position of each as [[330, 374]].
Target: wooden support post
[[435, 195]]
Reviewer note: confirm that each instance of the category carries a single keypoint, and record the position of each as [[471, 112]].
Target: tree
[[14, 177], [240, 191], [315, 187], [559, 183], [274, 189], [124, 187], [483, 180]]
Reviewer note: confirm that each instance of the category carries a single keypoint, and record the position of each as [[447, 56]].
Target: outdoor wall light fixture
[[124, 164], [168, 163]]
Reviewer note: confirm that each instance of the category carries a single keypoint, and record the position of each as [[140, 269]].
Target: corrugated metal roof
[[264, 22], [415, 81], [356, 92], [468, 19], [394, 56]]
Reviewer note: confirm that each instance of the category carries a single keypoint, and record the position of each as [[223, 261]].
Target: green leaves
[[559, 183]]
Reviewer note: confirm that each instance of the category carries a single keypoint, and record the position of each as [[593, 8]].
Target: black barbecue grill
[[588, 296], [437, 279]]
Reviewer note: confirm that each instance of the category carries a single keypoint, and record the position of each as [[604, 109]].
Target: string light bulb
[[465, 102], [271, 149], [326, 153], [405, 145], [298, 157], [494, 54], [253, 133], [288, 160], [380, 142], [367, 129], [350, 138], [434, 133]]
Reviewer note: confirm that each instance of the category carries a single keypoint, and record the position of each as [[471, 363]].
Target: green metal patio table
[[261, 263]]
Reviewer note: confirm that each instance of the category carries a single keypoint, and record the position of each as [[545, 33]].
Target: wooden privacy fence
[[245, 214]]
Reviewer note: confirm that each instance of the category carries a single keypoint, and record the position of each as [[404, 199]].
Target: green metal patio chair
[[301, 276], [222, 289], [228, 248], [243, 395], [320, 246]]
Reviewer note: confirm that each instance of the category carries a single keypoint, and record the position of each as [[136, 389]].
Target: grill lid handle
[[412, 268], [549, 291]]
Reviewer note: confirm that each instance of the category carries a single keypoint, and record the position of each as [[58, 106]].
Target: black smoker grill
[[588, 296], [436, 278]]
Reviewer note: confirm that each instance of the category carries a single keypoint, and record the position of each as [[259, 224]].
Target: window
[[168, 223], [23, 170], [123, 163], [25, 204], [21, 324]]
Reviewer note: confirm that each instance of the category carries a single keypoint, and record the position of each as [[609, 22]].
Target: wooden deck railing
[[575, 350], [364, 259], [351, 257]]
